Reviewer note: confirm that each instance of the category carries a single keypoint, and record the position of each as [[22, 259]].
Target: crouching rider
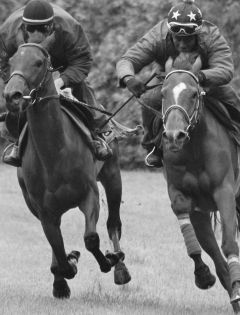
[[70, 53], [183, 31]]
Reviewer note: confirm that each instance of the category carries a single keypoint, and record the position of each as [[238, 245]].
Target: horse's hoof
[[71, 271], [61, 289], [106, 266], [114, 257], [203, 278], [73, 256], [121, 274]]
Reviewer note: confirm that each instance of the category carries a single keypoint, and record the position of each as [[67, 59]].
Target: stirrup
[[11, 159], [106, 150]]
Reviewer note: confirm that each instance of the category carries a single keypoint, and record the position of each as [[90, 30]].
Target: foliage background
[[114, 25]]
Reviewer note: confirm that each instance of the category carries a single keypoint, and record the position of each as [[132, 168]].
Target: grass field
[[162, 274]]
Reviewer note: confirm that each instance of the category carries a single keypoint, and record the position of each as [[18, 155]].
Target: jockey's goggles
[[183, 30]]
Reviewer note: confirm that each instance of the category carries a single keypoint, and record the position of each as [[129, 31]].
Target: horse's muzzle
[[174, 140], [14, 101]]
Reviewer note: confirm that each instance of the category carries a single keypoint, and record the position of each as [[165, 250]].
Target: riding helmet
[[38, 12], [185, 18]]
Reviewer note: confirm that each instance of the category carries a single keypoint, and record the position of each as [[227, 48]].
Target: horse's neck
[[207, 128], [45, 125]]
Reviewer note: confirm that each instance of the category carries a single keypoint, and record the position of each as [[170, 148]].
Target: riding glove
[[135, 86]]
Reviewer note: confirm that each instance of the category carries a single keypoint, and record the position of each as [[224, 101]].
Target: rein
[[33, 95]]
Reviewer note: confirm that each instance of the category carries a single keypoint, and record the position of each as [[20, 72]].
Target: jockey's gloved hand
[[135, 86]]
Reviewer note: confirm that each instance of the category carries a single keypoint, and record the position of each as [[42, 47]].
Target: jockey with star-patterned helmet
[[183, 31]]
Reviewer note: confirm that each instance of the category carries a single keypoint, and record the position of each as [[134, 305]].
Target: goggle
[[40, 28], [183, 29]]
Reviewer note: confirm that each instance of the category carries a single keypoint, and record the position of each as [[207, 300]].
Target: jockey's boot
[[102, 149], [12, 157], [154, 158]]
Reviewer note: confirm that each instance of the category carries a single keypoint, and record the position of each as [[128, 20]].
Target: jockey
[[183, 30], [70, 51]]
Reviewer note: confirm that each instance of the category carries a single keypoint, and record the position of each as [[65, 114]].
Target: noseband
[[33, 94], [193, 119]]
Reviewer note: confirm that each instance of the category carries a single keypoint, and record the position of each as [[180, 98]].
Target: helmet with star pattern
[[185, 19]]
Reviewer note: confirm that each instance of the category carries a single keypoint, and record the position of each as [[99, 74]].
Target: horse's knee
[[92, 242], [181, 205]]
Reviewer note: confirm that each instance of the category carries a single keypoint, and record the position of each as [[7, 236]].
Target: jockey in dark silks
[[183, 31], [70, 51]]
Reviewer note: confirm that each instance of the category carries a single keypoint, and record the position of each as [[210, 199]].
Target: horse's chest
[[195, 182], [58, 193]]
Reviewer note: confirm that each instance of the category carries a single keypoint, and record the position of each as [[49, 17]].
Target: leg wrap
[[189, 235], [234, 268]]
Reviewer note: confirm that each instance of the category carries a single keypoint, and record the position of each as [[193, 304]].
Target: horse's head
[[181, 100], [28, 73]]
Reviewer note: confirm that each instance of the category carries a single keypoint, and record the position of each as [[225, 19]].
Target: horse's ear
[[49, 42], [169, 65], [197, 66]]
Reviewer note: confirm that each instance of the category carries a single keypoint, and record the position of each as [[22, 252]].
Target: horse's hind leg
[[110, 178], [90, 208]]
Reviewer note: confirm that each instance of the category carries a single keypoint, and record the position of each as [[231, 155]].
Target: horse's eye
[[195, 94]]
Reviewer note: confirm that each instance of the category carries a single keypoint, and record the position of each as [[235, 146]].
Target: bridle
[[34, 93], [192, 119]]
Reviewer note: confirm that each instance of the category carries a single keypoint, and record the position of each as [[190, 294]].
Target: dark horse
[[59, 171], [201, 168]]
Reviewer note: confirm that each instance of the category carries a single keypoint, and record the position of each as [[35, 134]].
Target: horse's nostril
[[17, 95], [13, 97], [164, 135], [182, 135]]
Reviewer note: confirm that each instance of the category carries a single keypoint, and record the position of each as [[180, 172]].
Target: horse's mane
[[184, 61]]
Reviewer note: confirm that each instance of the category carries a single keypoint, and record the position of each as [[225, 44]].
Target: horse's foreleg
[[90, 208], [204, 232], [110, 178], [203, 277], [225, 200], [66, 266], [182, 206], [60, 287]]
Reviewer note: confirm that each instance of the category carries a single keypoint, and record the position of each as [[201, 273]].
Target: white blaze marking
[[177, 90]]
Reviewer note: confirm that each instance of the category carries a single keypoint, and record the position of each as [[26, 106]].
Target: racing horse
[[59, 170], [201, 169]]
